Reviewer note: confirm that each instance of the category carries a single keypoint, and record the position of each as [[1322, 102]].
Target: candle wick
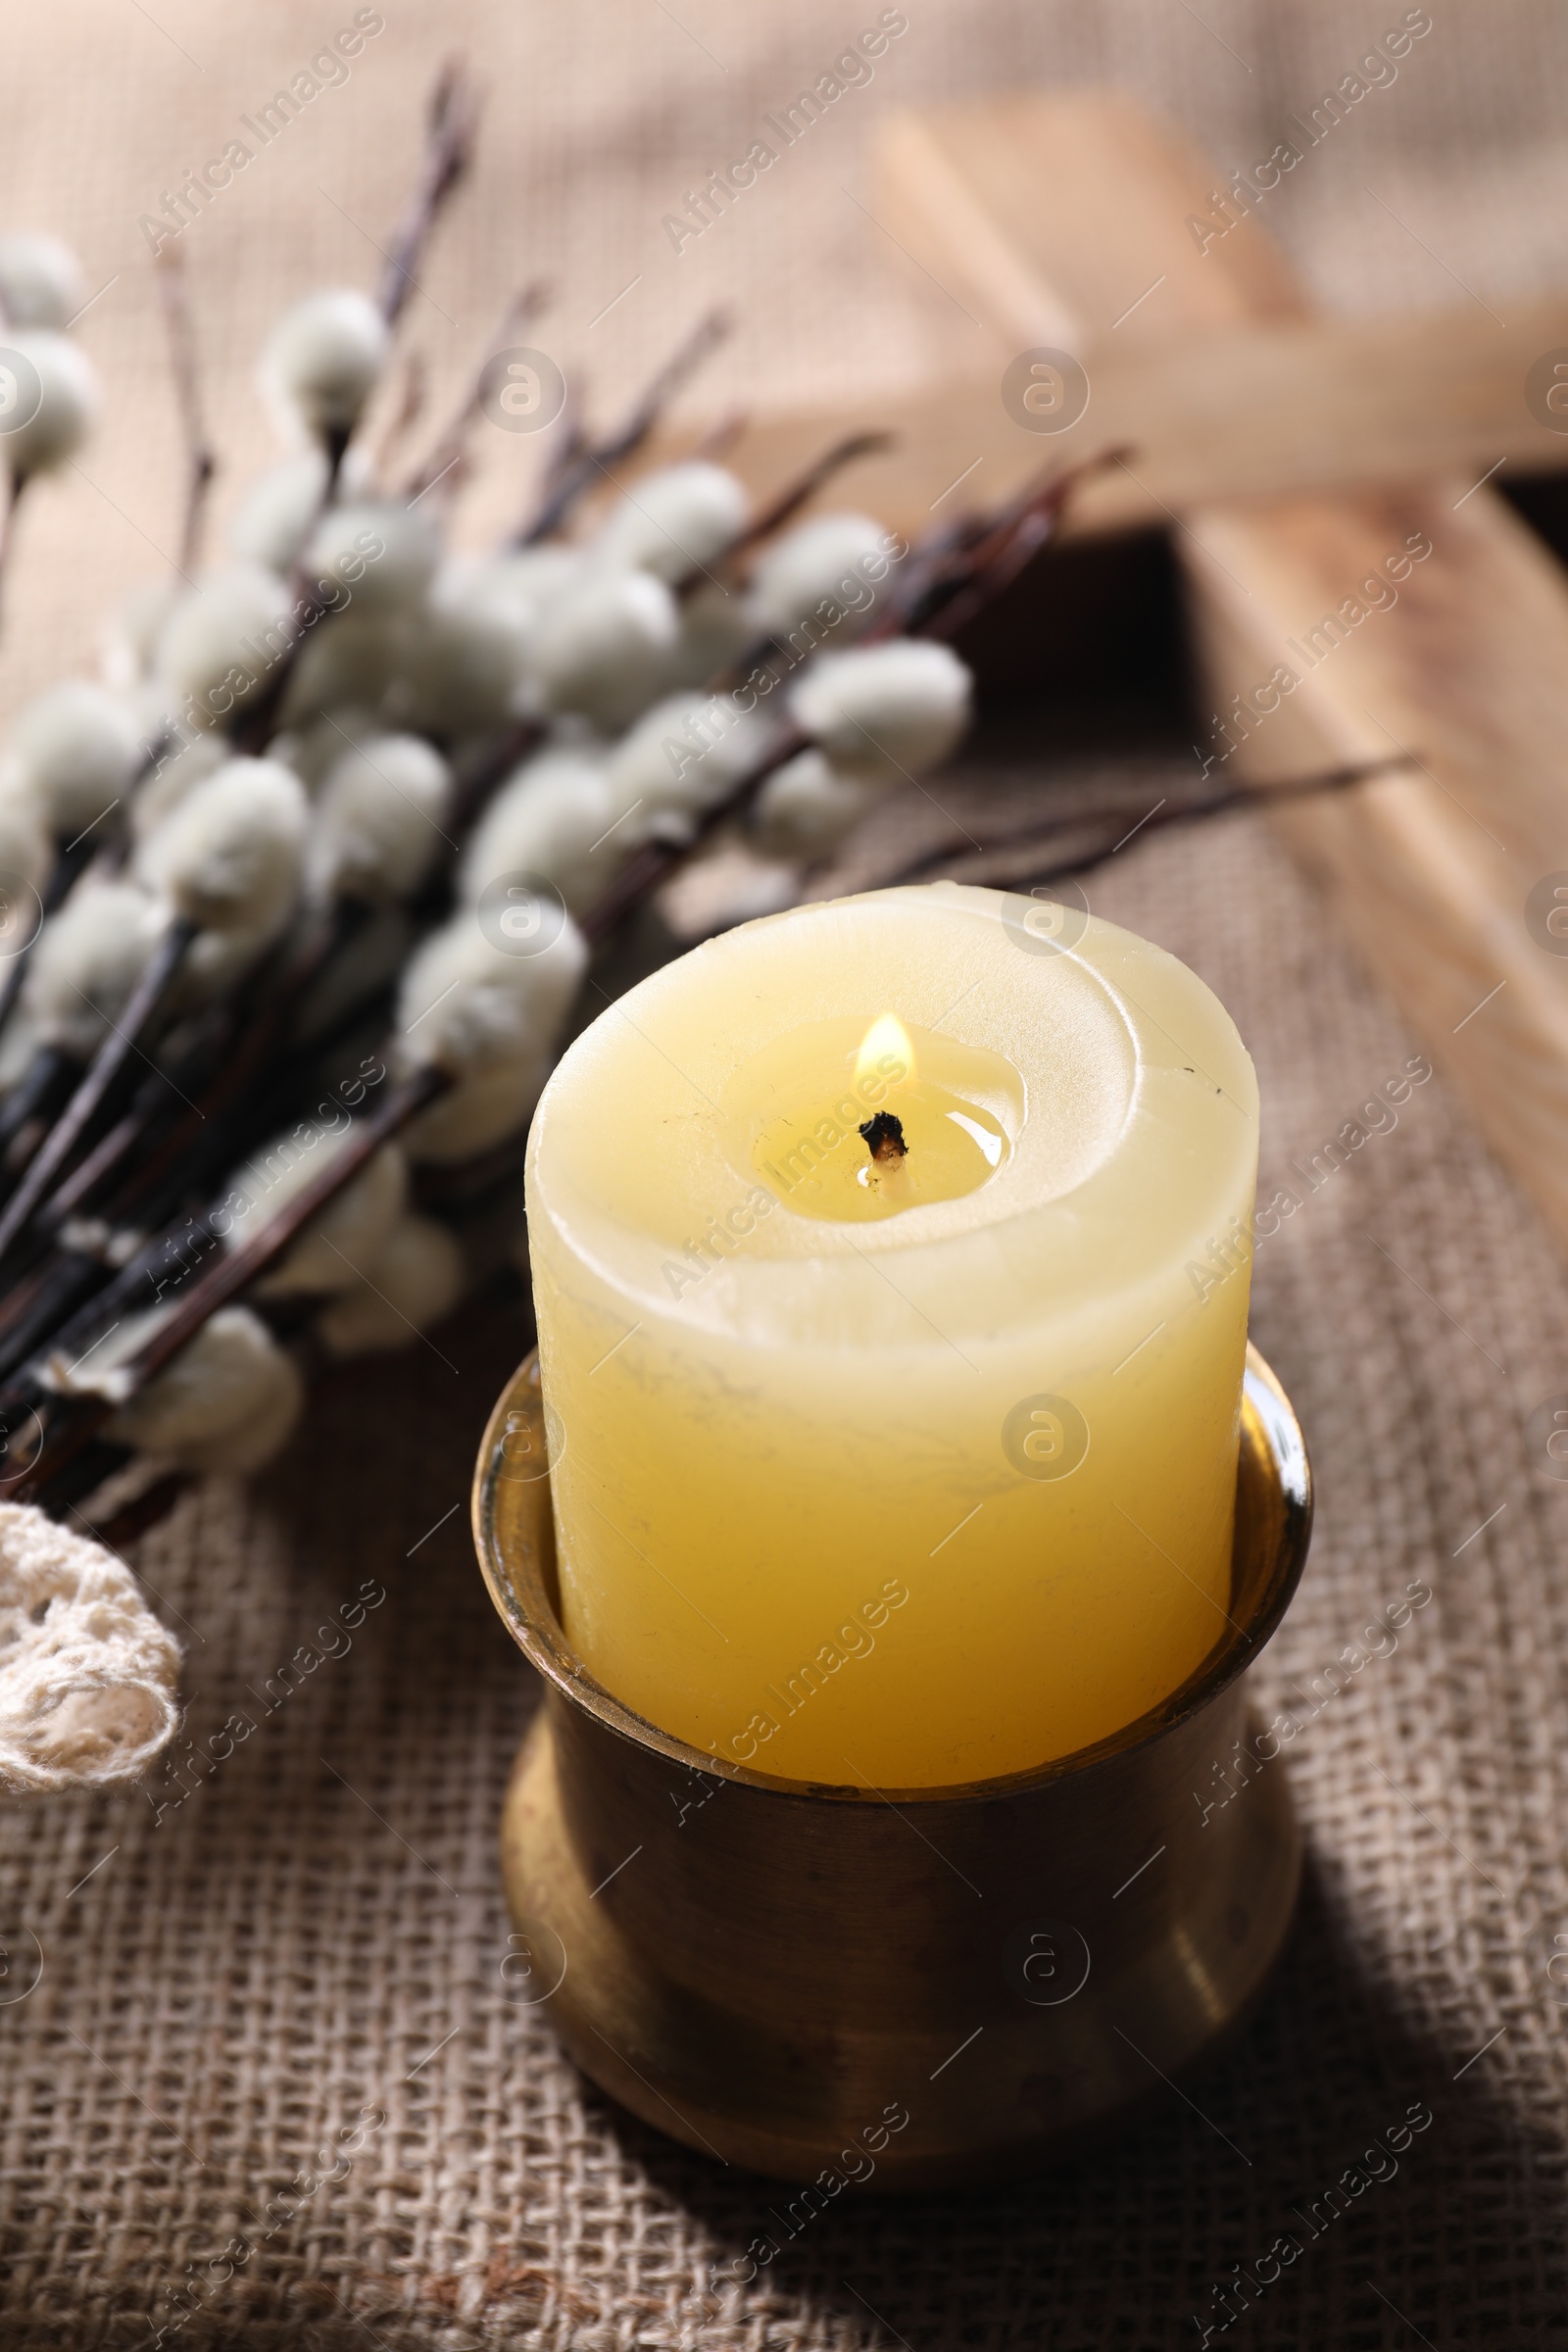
[[884, 1137]]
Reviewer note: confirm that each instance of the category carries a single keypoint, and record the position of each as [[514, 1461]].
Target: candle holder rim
[[530, 1617]]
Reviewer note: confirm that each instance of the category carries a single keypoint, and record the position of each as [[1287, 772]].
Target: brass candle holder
[[940, 1984]]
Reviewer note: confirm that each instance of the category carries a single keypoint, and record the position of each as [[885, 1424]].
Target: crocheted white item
[[90, 1679]]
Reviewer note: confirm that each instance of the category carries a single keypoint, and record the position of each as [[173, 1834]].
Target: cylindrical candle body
[[929, 1496]]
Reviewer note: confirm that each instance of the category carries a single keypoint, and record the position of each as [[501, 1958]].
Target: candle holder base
[[929, 1987]]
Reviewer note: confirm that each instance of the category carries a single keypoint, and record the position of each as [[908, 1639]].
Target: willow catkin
[[554, 819], [227, 1401], [40, 280], [321, 361], [57, 402], [88, 959], [75, 749], [678, 520], [889, 709], [378, 824], [416, 1279]]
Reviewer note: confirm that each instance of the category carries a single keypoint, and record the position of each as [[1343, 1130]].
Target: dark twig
[[201, 463], [452, 444], [449, 121], [229, 1273], [592, 463], [942, 864], [147, 1001]]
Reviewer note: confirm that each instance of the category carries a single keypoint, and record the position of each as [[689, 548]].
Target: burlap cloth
[[234, 1989]]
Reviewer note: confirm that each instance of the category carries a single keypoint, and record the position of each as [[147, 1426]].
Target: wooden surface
[[1228, 411], [1048, 216]]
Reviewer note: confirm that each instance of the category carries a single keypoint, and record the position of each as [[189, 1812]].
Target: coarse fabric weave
[[267, 2078]]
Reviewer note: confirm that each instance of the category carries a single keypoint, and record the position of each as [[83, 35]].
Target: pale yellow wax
[[904, 1494]]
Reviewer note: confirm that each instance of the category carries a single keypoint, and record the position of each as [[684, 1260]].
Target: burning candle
[[891, 1267]]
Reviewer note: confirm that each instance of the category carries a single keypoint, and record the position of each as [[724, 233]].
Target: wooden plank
[[1232, 413], [1467, 666]]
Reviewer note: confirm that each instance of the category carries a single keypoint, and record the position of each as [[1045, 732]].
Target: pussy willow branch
[[450, 120], [947, 865], [233, 1272], [990, 553], [589, 465], [451, 446], [201, 462]]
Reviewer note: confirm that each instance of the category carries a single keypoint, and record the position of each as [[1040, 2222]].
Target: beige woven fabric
[[273, 2010]]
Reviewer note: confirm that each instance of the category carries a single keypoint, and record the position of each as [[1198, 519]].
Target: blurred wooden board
[[1230, 413], [1046, 215]]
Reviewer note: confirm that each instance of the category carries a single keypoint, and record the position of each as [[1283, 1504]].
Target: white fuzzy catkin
[[468, 1007], [323, 360], [368, 961], [468, 668], [226, 1402], [172, 778], [677, 521], [806, 807], [348, 661], [417, 1279], [129, 635], [222, 640], [550, 819], [40, 280], [57, 402], [681, 756], [377, 829], [479, 1112], [715, 630], [889, 711], [23, 863], [604, 650], [90, 1679], [341, 1238], [75, 747], [534, 577], [374, 556], [274, 517], [88, 959], [832, 558], [228, 856]]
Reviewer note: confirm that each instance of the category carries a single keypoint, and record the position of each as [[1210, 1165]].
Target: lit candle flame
[[886, 1036]]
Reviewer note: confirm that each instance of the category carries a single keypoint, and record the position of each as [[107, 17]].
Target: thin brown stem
[[942, 864], [656, 861], [234, 1271], [53, 1158], [449, 121], [15, 484], [201, 463], [452, 444], [584, 471]]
